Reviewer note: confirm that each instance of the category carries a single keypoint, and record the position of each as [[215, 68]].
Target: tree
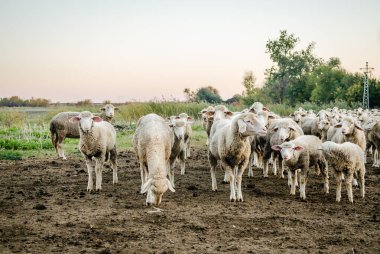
[[286, 79], [208, 94], [190, 95]]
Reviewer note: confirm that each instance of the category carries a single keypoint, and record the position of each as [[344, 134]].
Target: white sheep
[[345, 160], [61, 127], [230, 145], [188, 133], [279, 131], [153, 142], [301, 154], [178, 126], [352, 131], [372, 129], [97, 143]]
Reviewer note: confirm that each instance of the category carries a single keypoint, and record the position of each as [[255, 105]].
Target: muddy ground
[[44, 208]]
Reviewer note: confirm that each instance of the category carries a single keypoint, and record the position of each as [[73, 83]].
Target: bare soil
[[44, 208]]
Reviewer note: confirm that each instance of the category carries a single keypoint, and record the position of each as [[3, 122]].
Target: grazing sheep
[[280, 130], [302, 153], [61, 128], [153, 141], [230, 145], [97, 143], [345, 160]]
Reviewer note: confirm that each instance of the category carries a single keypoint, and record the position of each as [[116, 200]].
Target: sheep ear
[[190, 120], [369, 126], [276, 147], [242, 126], [338, 125], [298, 148], [210, 113], [228, 113], [97, 119], [265, 109], [103, 109], [74, 119], [170, 186], [358, 126], [291, 115], [116, 108], [146, 186]]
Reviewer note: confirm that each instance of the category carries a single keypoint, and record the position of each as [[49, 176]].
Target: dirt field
[[44, 208]]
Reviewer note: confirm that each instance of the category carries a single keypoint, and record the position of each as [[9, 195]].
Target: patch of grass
[[10, 155]]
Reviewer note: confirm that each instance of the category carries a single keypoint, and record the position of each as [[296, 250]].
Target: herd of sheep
[[335, 139]]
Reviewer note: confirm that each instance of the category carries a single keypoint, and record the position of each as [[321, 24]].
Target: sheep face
[[249, 125], [348, 125], [221, 112], [109, 110], [287, 150], [324, 124], [283, 132], [179, 126], [298, 115], [86, 121], [156, 187]]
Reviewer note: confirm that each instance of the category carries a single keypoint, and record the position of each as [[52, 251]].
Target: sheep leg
[[281, 166], [289, 178], [303, 181], [349, 188], [297, 177], [90, 170], [143, 174], [274, 168], [171, 173], [362, 181], [265, 169], [232, 184], [213, 163], [182, 158], [250, 165], [325, 174], [293, 186], [98, 171], [338, 178], [60, 151], [113, 155], [188, 149]]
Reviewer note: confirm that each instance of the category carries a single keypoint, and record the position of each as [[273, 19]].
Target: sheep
[[372, 128], [345, 160], [152, 142], [108, 112], [258, 142], [257, 107], [279, 131], [97, 143], [352, 131], [204, 115], [230, 145], [302, 153], [298, 116], [61, 128], [188, 133], [221, 117], [323, 127], [178, 126]]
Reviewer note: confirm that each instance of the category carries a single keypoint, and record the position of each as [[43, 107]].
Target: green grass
[[10, 155]]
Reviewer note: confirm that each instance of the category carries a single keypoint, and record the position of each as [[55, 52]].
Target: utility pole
[[366, 71]]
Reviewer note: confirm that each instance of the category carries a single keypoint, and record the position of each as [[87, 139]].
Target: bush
[[10, 155]]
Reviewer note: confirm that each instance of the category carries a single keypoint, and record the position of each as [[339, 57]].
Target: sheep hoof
[[64, 158], [225, 182], [232, 200], [148, 204], [240, 200], [215, 190]]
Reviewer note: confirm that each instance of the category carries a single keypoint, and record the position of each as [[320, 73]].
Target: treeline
[[299, 76], [16, 101]]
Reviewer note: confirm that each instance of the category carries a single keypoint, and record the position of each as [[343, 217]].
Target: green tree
[[208, 94], [286, 80]]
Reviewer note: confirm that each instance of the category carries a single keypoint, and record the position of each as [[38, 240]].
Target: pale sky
[[140, 50]]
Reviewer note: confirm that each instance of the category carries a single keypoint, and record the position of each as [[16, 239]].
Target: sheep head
[[287, 150], [348, 125], [109, 110], [178, 125], [249, 125], [156, 187], [86, 121]]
